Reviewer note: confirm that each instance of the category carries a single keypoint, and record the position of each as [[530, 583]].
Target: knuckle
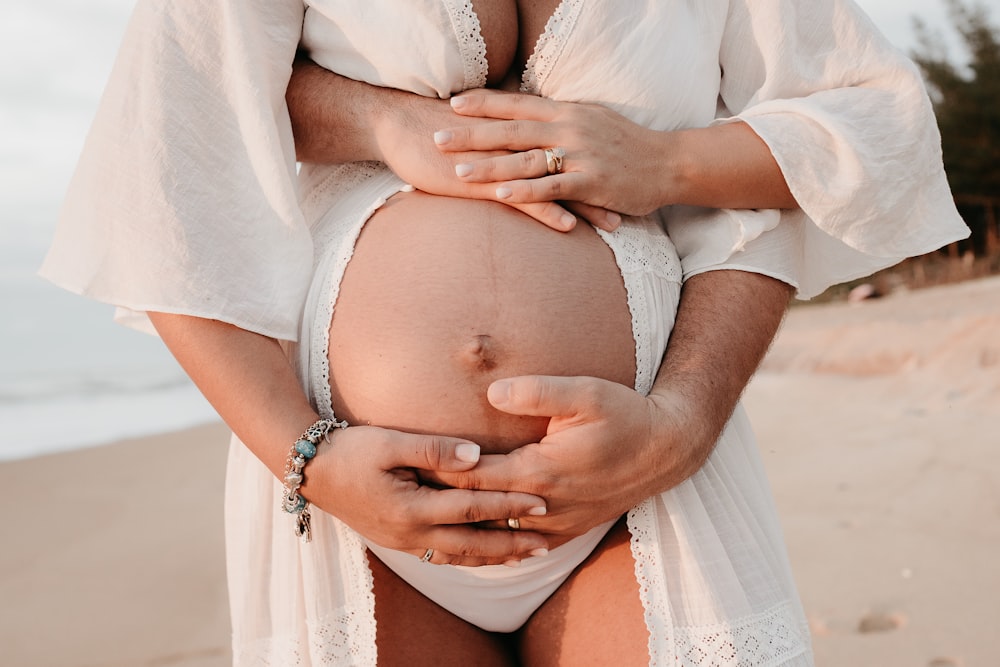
[[450, 559], [472, 514], [434, 453], [465, 550], [592, 393], [405, 516], [556, 189], [512, 130]]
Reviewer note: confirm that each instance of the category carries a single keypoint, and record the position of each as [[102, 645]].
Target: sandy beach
[[878, 423]]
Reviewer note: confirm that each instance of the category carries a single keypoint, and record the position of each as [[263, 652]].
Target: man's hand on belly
[[594, 463]]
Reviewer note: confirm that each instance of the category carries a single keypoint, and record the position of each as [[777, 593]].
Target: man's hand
[[607, 448]]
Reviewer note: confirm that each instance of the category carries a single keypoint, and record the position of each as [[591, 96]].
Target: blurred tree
[[967, 103]]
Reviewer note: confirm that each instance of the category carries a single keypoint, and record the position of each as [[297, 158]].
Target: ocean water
[[70, 377]]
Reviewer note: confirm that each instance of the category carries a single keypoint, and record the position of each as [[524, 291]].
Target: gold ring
[[514, 523], [427, 556], [554, 160]]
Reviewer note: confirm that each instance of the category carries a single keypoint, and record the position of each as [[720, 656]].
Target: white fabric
[[185, 201], [496, 598]]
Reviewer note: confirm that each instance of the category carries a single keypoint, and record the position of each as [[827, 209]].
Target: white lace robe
[[187, 200]]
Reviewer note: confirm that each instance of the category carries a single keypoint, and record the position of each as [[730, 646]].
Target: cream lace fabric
[[203, 214]]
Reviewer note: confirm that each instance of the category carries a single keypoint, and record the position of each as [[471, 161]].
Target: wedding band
[[427, 556], [554, 160], [514, 523]]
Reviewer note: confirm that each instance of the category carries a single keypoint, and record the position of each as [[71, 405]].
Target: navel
[[480, 353]]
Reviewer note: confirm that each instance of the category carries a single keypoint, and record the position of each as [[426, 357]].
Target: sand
[[878, 421]]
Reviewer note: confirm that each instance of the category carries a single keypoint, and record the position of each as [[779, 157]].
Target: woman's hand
[[337, 120], [368, 478], [610, 162], [607, 448], [406, 145]]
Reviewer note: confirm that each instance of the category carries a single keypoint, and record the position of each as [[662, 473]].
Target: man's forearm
[[334, 118], [725, 324]]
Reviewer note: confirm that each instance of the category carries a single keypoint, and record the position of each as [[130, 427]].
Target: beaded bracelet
[[302, 451]]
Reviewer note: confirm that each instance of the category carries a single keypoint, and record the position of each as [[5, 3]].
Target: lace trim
[[639, 253], [334, 244], [649, 573], [346, 635], [472, 46], [767, 639], [549, 46]]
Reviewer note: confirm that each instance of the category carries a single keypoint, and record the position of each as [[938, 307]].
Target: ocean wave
[[74, 421], [46, 387]]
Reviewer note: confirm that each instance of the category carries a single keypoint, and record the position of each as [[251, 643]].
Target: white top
[[185, 198]]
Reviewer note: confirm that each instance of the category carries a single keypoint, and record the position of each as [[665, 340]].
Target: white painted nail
[[467, 452]]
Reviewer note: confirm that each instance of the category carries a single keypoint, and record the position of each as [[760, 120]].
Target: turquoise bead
[[305, 448], [295, 504]]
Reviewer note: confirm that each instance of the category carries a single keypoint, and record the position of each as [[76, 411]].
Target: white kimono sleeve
[[184, 199], [848, 120]]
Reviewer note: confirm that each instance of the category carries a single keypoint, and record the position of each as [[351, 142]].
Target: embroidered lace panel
[[639, 253], [767, 639], [470, 42], [550, 45]]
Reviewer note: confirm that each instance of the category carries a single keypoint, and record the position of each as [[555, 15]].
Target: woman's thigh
[[595, 617], [412, 631]]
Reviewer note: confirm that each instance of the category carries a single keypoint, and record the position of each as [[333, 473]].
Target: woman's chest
[[655, 61]]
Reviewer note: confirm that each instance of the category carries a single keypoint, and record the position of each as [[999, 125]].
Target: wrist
[[675, 167], [684, 432], [395, 118]]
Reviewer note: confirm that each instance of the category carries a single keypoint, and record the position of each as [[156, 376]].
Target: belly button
[[480, 353]]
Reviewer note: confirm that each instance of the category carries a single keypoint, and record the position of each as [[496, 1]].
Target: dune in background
[[879, 423]]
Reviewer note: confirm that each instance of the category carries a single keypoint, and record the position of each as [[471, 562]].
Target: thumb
[[538, 395], [432, 452]]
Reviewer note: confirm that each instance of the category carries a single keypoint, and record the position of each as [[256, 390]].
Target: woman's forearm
[[722, 166], [247, 379]]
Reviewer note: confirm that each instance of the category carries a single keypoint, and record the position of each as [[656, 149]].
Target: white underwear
[[496, 598]]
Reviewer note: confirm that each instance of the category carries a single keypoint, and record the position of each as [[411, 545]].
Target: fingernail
[[513, 563], [613, 219], [499, 393], [467, 452], [459, 102], [538, 511], [503, 193], [442, 137], [463, 169], [539, 552], [568, 220]]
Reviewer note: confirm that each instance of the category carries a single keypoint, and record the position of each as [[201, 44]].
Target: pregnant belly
[[443, 296]]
